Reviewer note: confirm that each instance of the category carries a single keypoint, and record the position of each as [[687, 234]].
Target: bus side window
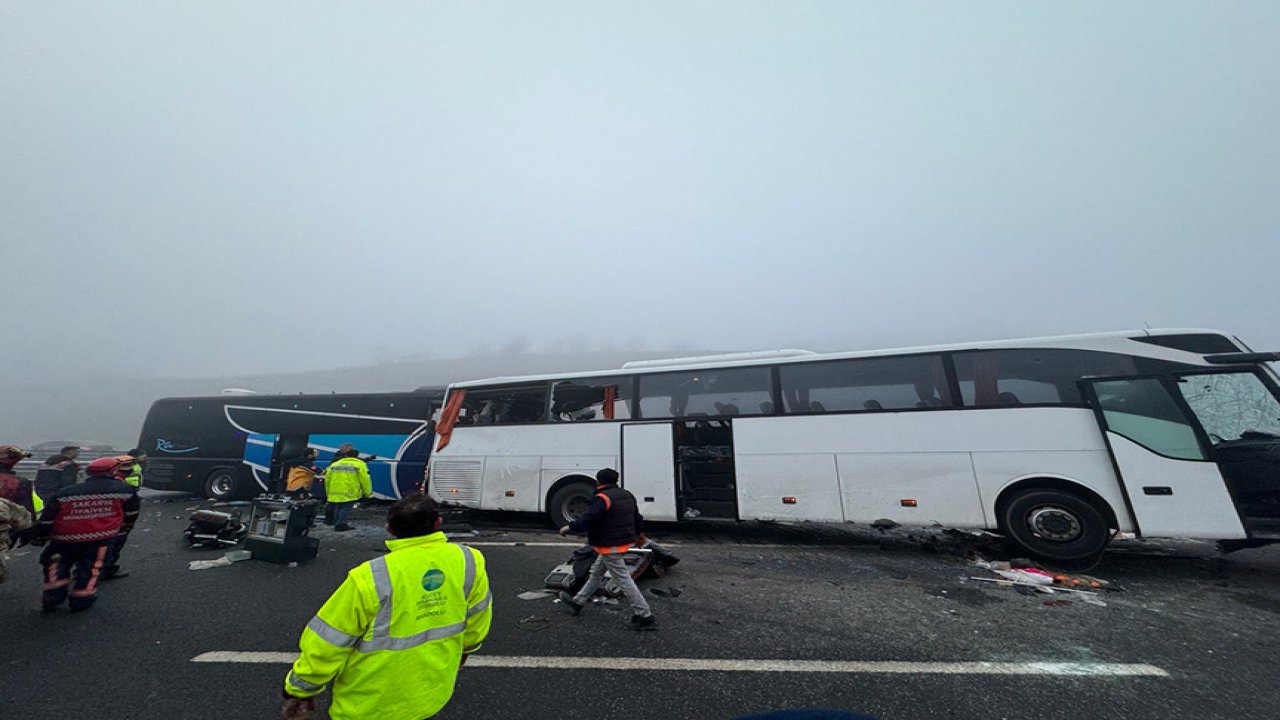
[[591, 399], [865, 385], [706, 393], [1004, 378]]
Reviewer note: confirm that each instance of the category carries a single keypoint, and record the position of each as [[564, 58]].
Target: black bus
[[229, 446]]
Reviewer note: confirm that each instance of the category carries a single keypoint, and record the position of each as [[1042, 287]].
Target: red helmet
[[103, 466]]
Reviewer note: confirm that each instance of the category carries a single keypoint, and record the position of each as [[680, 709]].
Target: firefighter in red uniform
[[80, 523]]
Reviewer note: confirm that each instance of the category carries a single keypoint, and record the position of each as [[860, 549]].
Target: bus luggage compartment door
[[648, 468]]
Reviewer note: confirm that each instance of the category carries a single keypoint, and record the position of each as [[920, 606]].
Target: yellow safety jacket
[[347, 480], [392, 636], [134, 477]]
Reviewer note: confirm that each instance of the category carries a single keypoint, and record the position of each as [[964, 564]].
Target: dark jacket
[[612, 521], [17, 490], [57, 472], [95, 510]]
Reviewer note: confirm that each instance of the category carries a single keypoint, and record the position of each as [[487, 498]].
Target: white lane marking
[[802, 666]]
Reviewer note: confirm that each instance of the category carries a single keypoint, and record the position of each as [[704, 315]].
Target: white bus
[[1059, 443]]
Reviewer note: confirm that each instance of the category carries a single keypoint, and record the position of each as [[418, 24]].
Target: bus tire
[[569, 502], [222, 485], [1055, 526]]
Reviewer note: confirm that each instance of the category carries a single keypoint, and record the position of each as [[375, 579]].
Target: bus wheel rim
[[221, 485], [576, 506], [1055, 524]]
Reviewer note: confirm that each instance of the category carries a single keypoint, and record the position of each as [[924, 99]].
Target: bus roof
[[250, 399], [1120, 341]]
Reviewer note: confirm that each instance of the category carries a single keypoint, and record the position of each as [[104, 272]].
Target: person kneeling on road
[[392, 637], [612, 524]]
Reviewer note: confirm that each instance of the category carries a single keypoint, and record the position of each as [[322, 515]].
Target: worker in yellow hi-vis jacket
[[416, 612]]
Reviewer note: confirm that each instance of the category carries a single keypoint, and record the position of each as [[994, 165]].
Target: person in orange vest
[[612, 525]]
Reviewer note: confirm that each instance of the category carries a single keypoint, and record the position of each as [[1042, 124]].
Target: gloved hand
[[297, 708]]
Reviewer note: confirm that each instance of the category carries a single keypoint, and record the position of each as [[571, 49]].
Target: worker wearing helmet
[[12, 487], [15, 501], [124, 472], [133, 475], [80, 522]]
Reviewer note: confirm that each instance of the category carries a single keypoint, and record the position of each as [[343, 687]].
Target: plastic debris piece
[[535, 594], [206, 564], [238, 555], [1026, 576]]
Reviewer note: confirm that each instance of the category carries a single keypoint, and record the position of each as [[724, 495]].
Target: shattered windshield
[[1229, 405]]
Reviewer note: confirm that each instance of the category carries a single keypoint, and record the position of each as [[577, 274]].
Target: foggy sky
[[206, 189]]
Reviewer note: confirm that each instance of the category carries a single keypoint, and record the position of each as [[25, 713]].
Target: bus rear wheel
[[1055, 526], [221, 485], [570, 503]]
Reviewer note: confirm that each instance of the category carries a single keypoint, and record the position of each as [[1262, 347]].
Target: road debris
[[535, 594], [533, 623]]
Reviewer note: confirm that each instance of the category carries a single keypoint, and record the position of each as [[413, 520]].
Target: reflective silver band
[[404, 643], [303, 685], [480, 606], [331, 634], [469, 574], [381, 585], [341, 469]]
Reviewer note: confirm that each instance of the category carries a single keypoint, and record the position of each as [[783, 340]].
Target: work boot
[[643, 622], [114, 574], [342, 528], [574, 606]]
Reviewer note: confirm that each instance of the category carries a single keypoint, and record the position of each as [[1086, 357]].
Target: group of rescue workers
[[82, 524], [419, 611]]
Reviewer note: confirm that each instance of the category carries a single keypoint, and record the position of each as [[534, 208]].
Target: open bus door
[[648, 468], [1197, 453]]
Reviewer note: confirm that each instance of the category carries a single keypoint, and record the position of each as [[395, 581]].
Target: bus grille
[[457, 481]]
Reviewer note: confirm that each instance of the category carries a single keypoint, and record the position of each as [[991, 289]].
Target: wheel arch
[[566, 479], [1053, 482]]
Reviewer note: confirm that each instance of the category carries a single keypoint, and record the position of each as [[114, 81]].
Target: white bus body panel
[[1200, 506], [481, 464], [954, 463], [875, 484], [649, 468], [764, 480]]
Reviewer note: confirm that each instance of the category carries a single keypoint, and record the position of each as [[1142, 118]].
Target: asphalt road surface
[[890, 625]]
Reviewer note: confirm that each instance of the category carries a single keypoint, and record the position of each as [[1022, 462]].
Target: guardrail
[[26, 469]]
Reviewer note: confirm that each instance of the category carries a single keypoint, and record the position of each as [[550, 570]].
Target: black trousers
[[113, 556], [72, 570]]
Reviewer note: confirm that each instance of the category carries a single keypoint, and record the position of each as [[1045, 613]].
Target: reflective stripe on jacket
[[392, 636], [347, 480]]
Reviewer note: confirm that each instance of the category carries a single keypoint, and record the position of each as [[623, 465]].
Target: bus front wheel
[[570, 503], [221, 485], [1056, 526]]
